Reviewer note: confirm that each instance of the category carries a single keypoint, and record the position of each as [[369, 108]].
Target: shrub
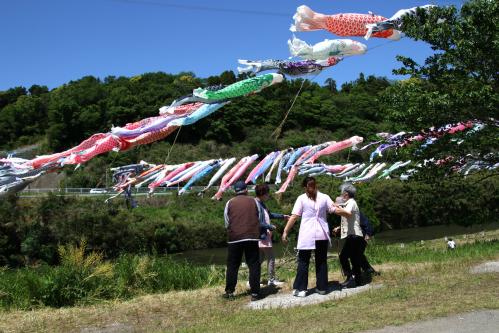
[[32, 230]]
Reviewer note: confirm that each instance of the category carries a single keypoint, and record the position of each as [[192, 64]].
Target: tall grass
[[145, 274], [84, 278]]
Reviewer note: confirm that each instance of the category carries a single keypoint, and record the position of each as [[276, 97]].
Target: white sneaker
[[275, 282], [297, 293]]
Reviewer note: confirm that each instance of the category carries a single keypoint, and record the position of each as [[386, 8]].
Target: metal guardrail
[[85, 191], [69, 191]]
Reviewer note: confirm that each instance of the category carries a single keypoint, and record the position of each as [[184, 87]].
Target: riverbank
[[31, 229], [421, 280]]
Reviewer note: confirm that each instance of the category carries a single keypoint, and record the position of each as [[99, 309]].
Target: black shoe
[[371, 271], [347, 279], [349, 283], [229, 296], [320, 292], [255, 297]]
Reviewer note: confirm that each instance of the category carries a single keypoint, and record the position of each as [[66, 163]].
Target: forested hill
[[65, 116]]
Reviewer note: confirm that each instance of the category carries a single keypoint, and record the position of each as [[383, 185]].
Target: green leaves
[[459, 81]]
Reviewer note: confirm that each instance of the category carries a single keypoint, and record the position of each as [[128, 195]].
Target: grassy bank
[[411, 292], [84, 277]]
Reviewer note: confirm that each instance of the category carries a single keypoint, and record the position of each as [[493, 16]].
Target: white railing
[[86, 191], [78, 191]]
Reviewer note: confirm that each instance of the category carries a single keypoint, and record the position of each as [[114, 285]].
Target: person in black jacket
[[368, 231]]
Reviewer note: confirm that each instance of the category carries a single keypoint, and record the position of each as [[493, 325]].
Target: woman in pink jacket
[[312, 207]]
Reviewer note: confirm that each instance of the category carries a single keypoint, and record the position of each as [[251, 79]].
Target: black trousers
[[301, 280], [234, 257], [352, 251]]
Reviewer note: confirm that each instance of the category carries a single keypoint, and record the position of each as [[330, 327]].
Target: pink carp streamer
[[226, 178], [337, 168], [104, 142], [170, 175], [336, 146], [101, 146], [150, 137], [39, 161], [190, 173], [291, 175], [261, 167], [235, 174], [340, 24], [333, 147]]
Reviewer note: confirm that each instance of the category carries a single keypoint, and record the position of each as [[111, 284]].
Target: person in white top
[[312, 207], [451, 245], [351, 232]]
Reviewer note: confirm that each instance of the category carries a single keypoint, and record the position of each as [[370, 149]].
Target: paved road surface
[[485, 321]]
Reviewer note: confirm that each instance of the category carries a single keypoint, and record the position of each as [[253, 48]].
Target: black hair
[[307, 180], [261, 190]]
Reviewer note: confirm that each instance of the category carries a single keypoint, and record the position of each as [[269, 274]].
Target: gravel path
[[488, 267], [486, 321], [286, 300]]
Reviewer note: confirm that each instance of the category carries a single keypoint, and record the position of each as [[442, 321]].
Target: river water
[[217, 256]]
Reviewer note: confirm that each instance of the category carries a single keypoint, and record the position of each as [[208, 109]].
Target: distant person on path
[[351, 232], [451, 245], [243, 230], [313, 207], [265, 245]]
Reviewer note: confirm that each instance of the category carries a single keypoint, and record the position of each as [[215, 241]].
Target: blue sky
[[54, 41]]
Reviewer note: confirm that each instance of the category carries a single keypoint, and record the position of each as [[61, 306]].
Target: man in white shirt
[[351, 232]]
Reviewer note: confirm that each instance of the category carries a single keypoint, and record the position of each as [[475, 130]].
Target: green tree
[[11, 95], [331, 85], [457, 83], [36, 90]]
